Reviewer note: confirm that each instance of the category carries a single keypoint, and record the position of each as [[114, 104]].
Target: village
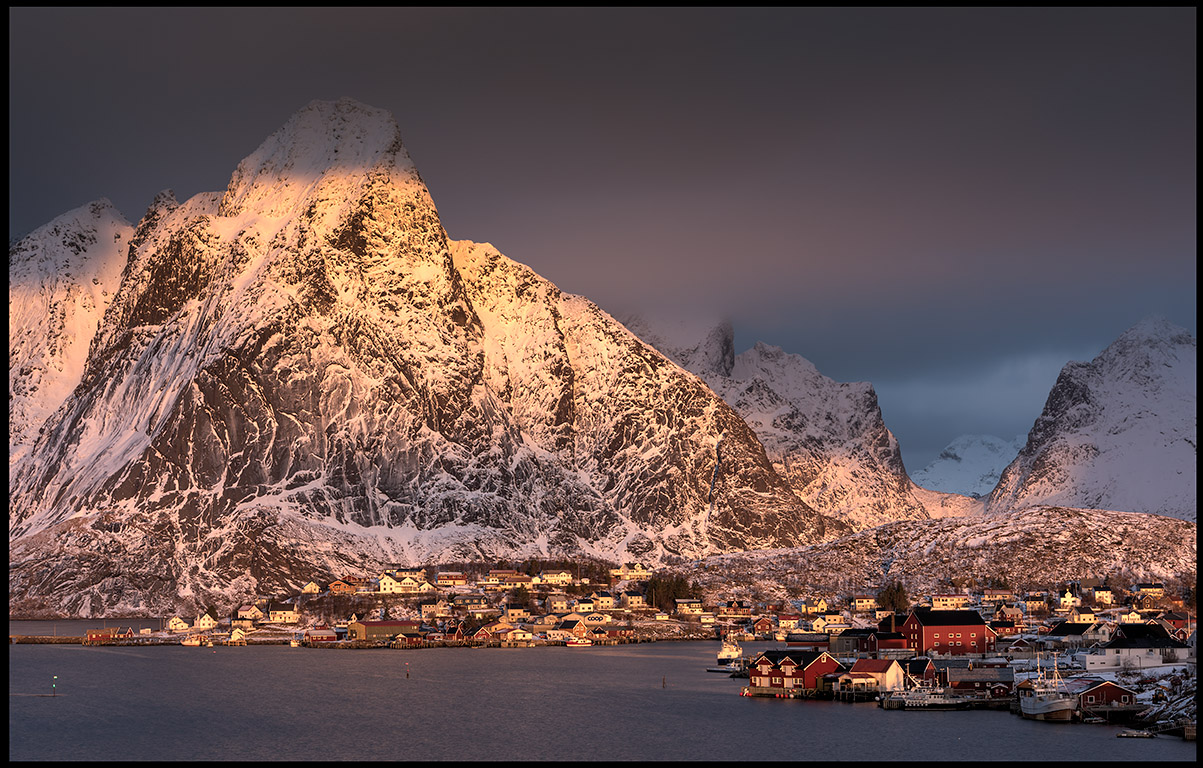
[[1103, 652]]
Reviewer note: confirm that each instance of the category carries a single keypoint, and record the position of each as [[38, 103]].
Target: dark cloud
[[911, 197]]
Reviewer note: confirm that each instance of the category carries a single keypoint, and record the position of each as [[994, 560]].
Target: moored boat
[[1047, 698], [193, 640], [924, 699], [578, 642]]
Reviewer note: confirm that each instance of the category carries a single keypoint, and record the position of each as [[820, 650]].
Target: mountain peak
[[343, 139]]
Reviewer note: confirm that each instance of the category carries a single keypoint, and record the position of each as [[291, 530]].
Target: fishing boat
[[193, 640], [730, 652], [1135, 734], [578, 642], [1047, 698], [295, 642], [925, 698]]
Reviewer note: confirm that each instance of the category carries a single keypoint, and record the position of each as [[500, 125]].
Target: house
[[950, 632], [630, 572], [312, 588], [864, 603], [1004, 628], [471, 603], [1138, 646], [99, 636], [706, 618], [555, 603], [812, 607], [282, 613], [1071, 634], [514, 581], [556, 578], [632, 600], [762, 626], [951, 602], [572, 627], [206, 620], [514, 613], [1068, 601], [1175, 620], [788, 621], [983, 681], [342, 587], [603, 601], [1154, 589], [851, 641], [176, 624], [688, 606], [792, 669], [584, 605], [812, 641], [1102, 596], [435, 609], [450, 579], [515, 635], [388, 584], [250, 611], [884, 645], [733, 608], [996, 596], [1105, 695], [879, 675], [381, 630]]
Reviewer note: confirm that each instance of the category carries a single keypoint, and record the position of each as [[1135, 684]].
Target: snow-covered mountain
[[970, 464], [1030, 548], [1116, 433], [301, 375], [61, 278], [827, 438]]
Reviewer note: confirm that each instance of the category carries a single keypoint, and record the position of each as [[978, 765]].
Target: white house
[[176, 624]]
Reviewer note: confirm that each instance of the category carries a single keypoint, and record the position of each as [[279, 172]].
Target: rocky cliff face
[[301, 375], [1116, 433], [826, 438], [61, 279]]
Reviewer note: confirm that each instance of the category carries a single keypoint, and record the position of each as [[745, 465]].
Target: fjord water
[[651, 701]]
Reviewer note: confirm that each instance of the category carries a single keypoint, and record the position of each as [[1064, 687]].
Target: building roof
[[961, 617], [1070, 628], [801, 658], [873, 665]]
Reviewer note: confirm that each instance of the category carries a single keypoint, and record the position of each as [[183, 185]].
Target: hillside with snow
[[969, 465], [1031, 548], [1116, 433]]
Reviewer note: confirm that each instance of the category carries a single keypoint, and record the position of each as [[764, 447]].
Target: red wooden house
[[790, 669], [1106, 694], [948, 632]]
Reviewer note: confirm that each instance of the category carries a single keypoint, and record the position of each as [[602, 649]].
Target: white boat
[[192, 640], [578, 642], [729, 669], [925, 699], [730, 652], [1047, 698]]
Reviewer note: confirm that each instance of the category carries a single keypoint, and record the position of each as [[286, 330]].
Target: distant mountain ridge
[[827, 438], [970, 465], [1116, 433]]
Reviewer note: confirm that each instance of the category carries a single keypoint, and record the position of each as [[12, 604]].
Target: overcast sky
[[950, 204]]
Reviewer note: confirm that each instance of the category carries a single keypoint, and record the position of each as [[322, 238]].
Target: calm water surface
[[651, 701]]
